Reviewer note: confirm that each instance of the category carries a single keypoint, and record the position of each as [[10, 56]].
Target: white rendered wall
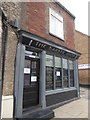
[[7, 107]]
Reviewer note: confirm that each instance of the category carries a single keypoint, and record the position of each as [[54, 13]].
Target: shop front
[[46, 74]]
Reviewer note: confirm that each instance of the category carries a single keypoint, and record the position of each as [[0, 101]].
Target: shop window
[[65, 74], [49, 72], [58, 72], [71, 68], [56, 24]]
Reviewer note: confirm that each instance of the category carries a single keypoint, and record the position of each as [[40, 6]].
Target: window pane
[[27, 63], [58, 72], [59, 28], [65, 65], [65, 73], [49, 60], [27, 72], [57, 62], [52, 24], [71, 67], [26, 79], [49, 78]]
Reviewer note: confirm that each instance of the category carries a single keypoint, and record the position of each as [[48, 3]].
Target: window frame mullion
[[68, 73], [54, 72], [74, 73], [62, 72]]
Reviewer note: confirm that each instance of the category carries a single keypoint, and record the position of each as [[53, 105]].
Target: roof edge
[[64, 8], [82, 33]]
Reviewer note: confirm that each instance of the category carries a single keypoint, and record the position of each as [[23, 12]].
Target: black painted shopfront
[[47, 74], [31, 81]]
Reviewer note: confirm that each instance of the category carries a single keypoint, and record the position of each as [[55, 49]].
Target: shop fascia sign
[[83, 66]]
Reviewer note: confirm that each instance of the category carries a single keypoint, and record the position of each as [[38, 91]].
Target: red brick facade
[[84, 77], [81, 45], [37, 22]]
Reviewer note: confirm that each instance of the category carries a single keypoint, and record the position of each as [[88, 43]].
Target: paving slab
[[74, 109]]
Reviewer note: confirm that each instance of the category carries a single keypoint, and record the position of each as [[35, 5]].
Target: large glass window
[[49, 72], [56, 24], [65, 73], [71, 68], [58, 72]]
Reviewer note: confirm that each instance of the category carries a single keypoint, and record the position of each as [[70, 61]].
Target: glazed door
[[31, 82]]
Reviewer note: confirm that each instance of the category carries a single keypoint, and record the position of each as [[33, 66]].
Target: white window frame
[[59, 18]]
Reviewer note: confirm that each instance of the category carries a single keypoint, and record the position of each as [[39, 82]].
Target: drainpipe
[[0, 63], [3, 39]]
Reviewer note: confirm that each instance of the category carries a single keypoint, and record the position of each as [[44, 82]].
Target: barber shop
[[46, 74], [40, 63]]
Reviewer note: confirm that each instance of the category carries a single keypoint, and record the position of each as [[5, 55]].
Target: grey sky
[[80, 10]]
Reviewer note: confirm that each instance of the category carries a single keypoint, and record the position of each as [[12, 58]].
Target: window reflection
[[49, 72], [49, 78], [27, 72], [65, 73], [58, 72], [49, 60]]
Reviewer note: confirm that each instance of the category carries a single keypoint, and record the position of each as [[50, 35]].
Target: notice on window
[[33, 78], [58, 73], [26, 70]]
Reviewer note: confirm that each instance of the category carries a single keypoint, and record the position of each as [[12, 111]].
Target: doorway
[[31, 82]]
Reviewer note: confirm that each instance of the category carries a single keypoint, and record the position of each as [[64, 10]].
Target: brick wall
[[84, 76], [12, 11], [81, 45], [37, 22]]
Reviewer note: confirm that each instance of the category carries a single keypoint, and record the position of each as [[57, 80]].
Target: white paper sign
[[33, 78], [58, 73], [32, 56], [27, 70]]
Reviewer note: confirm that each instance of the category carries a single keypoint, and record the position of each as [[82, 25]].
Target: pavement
[[75, 109]]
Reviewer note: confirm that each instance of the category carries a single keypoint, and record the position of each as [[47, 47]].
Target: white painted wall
[[7, 107]]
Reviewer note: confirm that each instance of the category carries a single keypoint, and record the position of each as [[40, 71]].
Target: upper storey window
[[56, 24]]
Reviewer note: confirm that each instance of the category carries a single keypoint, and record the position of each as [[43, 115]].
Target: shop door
[[31, 82]]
